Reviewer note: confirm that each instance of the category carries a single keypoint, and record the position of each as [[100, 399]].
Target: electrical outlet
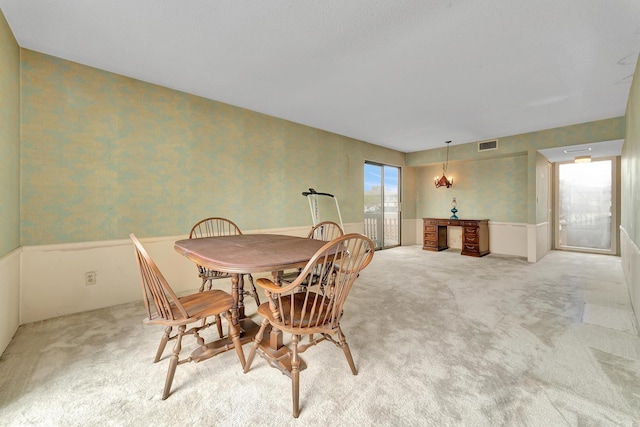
[[90, 278]]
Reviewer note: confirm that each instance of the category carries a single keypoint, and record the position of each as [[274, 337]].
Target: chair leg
[[219, 325], [254, 290], [207, 284], [256, 342], [173, 362], [163, 343], [347, 352], [295, 375], [234, 333]]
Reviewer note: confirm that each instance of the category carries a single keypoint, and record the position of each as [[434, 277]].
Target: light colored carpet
[[438, 338]]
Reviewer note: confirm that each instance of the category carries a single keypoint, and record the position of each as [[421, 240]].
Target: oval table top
[[250, 253]]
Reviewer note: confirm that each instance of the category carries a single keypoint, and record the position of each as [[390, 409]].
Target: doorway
[[586, 208], [382, 212]]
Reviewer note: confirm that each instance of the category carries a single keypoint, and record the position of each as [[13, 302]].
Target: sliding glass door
[[586, 210], [382, 213]]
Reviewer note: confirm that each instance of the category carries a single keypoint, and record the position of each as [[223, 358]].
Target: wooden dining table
[[249, 254]]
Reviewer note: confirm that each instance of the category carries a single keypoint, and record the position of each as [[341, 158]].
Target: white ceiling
[[594, 150], [407, 75]]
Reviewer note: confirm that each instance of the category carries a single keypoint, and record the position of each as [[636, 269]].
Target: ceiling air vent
[[488, 145]]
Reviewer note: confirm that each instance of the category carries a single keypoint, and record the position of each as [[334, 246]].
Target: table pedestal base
[[248, 330], [279, 358]]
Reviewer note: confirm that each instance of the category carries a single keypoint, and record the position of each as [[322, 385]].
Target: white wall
[[539, 243], [410, 232], [9, 297], [42, 282], [52, 280], [53, 276], [630, 260], [508, 238]]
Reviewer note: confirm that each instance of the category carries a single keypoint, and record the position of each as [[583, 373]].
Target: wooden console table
[[475, 235]]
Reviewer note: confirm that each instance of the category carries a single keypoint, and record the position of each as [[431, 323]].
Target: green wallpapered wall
[[542, 188], [630, 165], [499, 185], [9, 139], [104, 155], [490, 188]]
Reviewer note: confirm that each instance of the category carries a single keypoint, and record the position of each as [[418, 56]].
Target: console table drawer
[[430, 237], [430, 245], [468, 249], [468, 231], [469, 223], [446, 222], [429, 228], [471, 238]]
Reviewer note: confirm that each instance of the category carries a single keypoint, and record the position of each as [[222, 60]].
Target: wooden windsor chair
[[314, 309], [326, 231], [214, 227], [163, 307]]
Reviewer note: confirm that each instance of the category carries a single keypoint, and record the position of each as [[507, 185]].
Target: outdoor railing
[[375, 228]]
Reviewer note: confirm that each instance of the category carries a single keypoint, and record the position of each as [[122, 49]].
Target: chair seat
[[199, 306], [299, 305]]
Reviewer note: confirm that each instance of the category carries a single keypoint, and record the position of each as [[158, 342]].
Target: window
[[382, 213], [585, 217]]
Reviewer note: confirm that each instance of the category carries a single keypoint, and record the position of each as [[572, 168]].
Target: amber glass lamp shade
[[443, 182]]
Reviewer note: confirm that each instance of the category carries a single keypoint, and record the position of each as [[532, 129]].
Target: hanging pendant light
[[443, 181]]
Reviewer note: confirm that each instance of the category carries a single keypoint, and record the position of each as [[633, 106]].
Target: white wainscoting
[[630, 259], [9, 297], [52, 277], [508, 238], [538, 241]]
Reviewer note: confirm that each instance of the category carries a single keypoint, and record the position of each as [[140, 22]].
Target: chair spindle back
[[327, 280], [326, 230], [214, 227], [156, 292]]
